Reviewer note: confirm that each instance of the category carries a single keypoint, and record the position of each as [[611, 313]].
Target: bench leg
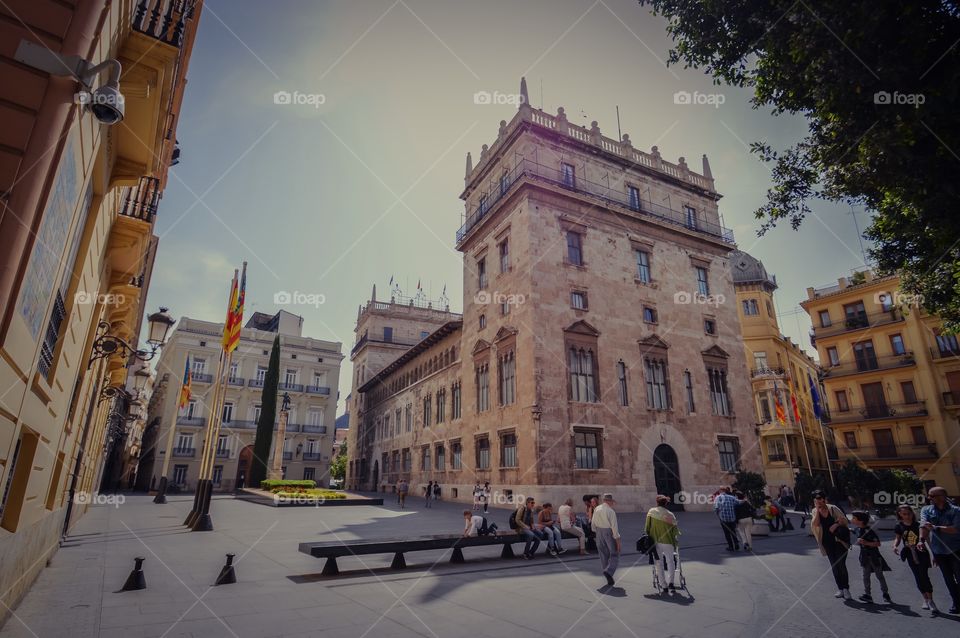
[[457, 556], [398, 561], [330, 567], [507, 551]]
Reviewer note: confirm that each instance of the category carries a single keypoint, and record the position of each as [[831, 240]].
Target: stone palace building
[[599, 349]]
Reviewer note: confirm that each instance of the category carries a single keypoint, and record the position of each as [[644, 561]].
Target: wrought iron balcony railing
[[200, 377], [870, 364], [191, 420], [318, 429], [317, 389], [951, 399], [878, 453], [291, 387], [884, 411], [767, 372], [859, 321], [163, 19], [184, 452], [312, 456]]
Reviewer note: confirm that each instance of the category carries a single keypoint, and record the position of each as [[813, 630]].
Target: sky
[[356, 178]]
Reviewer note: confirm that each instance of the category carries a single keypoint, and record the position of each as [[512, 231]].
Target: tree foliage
[[268, 416], [877, 81], [338, 468], [858, 482], [752, 485]]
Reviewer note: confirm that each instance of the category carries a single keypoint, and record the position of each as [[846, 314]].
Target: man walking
[[725, 506], [604, 524], [940, 525], [402, 492]]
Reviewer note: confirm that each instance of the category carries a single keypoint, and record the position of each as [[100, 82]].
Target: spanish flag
[[231, 304], [237, 317], [184, 398], [781, 414]]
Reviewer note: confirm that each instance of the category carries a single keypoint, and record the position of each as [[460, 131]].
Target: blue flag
[[814, 395]]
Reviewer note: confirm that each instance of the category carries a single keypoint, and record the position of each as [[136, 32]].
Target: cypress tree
[[268, 416]]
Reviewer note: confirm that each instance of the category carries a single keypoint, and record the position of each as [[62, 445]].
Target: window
[[760, 361], [750, 307], [504, 249], [909, 393], [508, 450], [223, 445], [833, 356], [765, 414], [483, 387], [843, 405], [184, 443], [482, 273], [425, 458], [633, 195], [409, 417], [896, 344], [504, 308], [506, 373], [643, 266], [583, 380], [586, 446], [441, 405], [483, 321], [483, 204], [703, 284], [456, 399], [658, 394], [199, 366], [290, 377], [719, 397], [947, 344], [504, 183], [407, 460], [649, 314], [825, 319], [388, 334], [309, 473], [710, 326], [850, 440], [574, 248], [234, 371], [261, 373], [441, 459], [387, 425], [424, 334], [568, 175], [769, 307], [456, 455], [919, 435], [729, 453], [622, 383], [865, 356], [688, 386], [227, 412], [179, 474], [690, 217], [315, 417], [256, 413], [855, 315], [483, 453], [217, 474], [426, 411], [578, 299]]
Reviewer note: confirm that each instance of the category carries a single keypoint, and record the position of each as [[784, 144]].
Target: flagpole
[[826, 453], [161, 496], [202, 522], [201, 485]]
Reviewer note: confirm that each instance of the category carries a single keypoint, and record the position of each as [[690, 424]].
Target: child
[[871, 561], [476, 525]]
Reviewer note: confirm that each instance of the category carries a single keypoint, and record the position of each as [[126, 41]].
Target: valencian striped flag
[[781, 414], [237, 316], [185, 387], [231, 305], [793, 403], [814, 395]]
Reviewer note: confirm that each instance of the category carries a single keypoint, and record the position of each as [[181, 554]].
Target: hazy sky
[[328, 199]]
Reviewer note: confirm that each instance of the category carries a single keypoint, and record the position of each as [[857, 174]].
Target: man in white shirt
[[604, 523], [568, 523], [476, 525]]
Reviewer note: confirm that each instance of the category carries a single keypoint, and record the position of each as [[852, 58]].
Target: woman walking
[[744, 511], [907, 534], [661, 526], [831, 530]]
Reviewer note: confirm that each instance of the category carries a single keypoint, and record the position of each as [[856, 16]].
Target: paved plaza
[[783, 589]]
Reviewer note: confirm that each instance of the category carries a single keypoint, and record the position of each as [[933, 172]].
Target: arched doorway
[[243, 467], [666, 475], [376, 476]]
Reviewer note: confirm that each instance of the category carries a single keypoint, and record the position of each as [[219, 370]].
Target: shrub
[[752, 485], [272, 484]]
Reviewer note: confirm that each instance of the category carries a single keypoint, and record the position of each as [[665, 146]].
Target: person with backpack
[[476, 525], [523, 521], [428, 494], [744, 512]]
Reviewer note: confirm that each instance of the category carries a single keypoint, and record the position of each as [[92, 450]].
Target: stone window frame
[[653, 349], [582, 336], [501, 443], [485, 436], [598, 433]]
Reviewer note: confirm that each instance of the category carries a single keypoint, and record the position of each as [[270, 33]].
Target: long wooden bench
[[331, 550]]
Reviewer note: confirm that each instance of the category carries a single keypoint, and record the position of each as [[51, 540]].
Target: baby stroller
[[645, 545]]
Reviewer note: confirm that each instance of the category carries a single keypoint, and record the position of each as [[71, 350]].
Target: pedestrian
[[397, 490], [661, 527], [940, 529], [906, 538], [724, 505], [871, 560], [476, 525], [604, 524], [770, 514], [402, 493], [568, 523], [550, 530], [524, 521], [477, 492], [428, 494], [485, 496], [744, 511], [830, 529], [436, 491]]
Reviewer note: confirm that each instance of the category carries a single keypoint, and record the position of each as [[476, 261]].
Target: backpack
[[513, 518], [774, 510], [645, 544]]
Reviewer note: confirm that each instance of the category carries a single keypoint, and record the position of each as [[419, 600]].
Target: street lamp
[[107, 344]]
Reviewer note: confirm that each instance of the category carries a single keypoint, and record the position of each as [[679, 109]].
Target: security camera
[[106, 102]]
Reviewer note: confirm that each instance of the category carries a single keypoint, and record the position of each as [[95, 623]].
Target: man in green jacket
[[662, 527]]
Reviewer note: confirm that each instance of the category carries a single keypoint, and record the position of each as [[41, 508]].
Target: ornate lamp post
[[107, 344], [276, 472]]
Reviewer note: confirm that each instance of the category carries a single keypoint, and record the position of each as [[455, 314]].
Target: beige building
[[892, 379], [80, 195], [309, 372], [599, 347], [777, 365]]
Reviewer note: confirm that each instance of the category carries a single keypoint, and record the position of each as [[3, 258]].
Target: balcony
[[767, 372], [316, 429], [945, 352], [951, 399], [200, 377], [142, 200], [290, 387], [238, 381], [318, 389], [288, 456], [878, 412], [223, 454], [184, 452], [858, 321], [197, 421], [534, 172], [871, 364], [163, 20], [237, 424], [255, 383], [891, 452], [312, 456], [777, 458]]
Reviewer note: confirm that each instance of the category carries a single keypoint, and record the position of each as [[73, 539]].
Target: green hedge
[[271, 484]]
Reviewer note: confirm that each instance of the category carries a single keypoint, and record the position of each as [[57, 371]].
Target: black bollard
[[161, 496], [202, 522], [192, 516], [135, 580], [227, 575]]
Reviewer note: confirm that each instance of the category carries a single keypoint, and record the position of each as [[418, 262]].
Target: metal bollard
[[227, 574], [135, 580]]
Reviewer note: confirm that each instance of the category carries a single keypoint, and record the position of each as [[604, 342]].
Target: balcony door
[[865, 356], [874, 402], [883, 440], [856, 315]]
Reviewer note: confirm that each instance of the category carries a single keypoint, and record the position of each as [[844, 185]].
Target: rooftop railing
[[163, 19]]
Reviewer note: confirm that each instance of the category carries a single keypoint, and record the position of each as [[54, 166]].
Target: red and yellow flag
[[781, 414], [234, 337], [796, 408], [231, 305], [184, 398]]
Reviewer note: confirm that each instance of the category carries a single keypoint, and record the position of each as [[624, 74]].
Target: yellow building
[[88, 116], [891, 379], [778, 365]]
